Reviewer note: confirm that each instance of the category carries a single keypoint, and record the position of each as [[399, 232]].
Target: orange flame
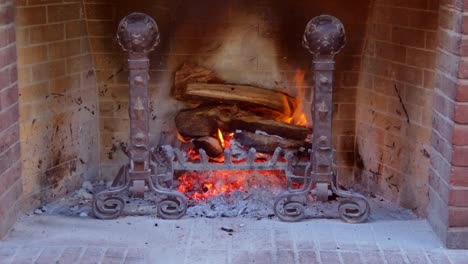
[[298, 117], [221, 138]]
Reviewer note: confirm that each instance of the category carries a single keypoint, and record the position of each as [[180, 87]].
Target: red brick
[[461, 113], [390, 51], [463, 70], [409, 37], [437, 213], [8, 117], [442, 146], [59, 13], [458, 217], [7, 14], [458, 197], [450, 19], [440, 165], [452, 43], [448, 63], [5, 39], [9, 157], [9, 198], [461, 93], [9, 137], [460, 135], [10, 218], [441, 124], [26, 16], [8, 97], [422, 19], [98, 11], [7, 56], [10, 176], [457, 238], [459, 176], [464, 24], [4, 79], [420, 58], [460, 156]]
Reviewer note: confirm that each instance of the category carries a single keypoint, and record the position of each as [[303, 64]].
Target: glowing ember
[[201, 186]]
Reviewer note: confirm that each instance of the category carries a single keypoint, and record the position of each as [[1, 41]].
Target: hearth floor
[[146, 239]]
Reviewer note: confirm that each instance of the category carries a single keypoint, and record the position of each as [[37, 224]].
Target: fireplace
[[398, 123]]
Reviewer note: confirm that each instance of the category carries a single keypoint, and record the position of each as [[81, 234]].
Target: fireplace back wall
[[244, 42], [394, 102]]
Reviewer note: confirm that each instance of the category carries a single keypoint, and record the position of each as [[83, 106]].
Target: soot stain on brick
[[349, 158], [55, 175]]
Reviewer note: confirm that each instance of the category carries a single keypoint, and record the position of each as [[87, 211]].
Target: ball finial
[[138, 33], [324, 35]]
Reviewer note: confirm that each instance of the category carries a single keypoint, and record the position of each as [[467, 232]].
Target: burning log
[[267, 143], [211, 145], [251, 123], [196, 84], [205, 121], [241, 94], [191, 73]]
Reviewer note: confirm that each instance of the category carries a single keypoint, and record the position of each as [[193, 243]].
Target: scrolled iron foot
[[109, 204], [287, 209], [354, 208], [172, 207], [353, 212], [106, 206]]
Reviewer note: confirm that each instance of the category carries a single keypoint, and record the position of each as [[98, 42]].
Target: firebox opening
[[72, 75]]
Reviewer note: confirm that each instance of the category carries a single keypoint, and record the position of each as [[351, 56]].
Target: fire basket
[[153, 168]]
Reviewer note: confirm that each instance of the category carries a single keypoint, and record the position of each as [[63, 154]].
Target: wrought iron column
[[138, 35], [324, 37]]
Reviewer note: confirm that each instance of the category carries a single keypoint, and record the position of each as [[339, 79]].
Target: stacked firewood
[[255, 115]]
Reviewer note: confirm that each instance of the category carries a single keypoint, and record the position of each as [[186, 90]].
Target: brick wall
[[448, 192], [58, 99], [10, 167], [395, 99], [250, 42]]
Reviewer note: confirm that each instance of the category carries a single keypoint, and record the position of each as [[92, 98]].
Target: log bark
[[196, 84], [211, 145], [251, 123], [241, 94], [205, 121], [191, 73], [267, 143]]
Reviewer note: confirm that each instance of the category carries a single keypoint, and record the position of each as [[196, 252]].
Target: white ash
[[258, 203], [83, 214], [84, 194], [88, 186], [238, 151]]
